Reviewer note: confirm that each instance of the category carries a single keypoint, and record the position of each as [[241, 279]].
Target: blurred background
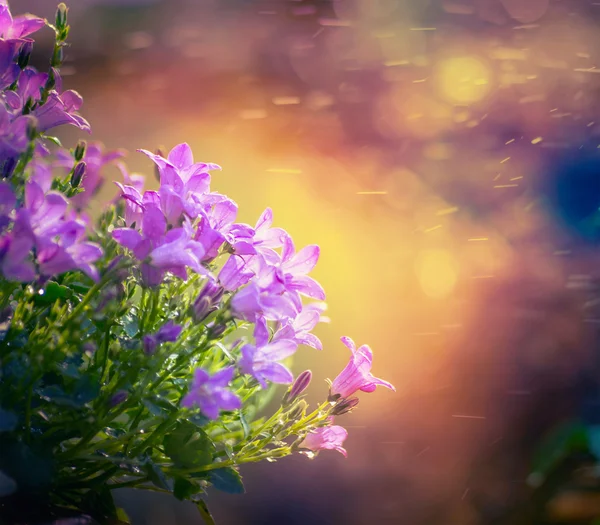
[[444, 154]]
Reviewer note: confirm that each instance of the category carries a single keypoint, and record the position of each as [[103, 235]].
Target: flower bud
[[149, 344], [217, 330], [78, 173], [118, 398], [298, 386], [8, 167], [344, 406], [25, 54], [79, 151], [51, 82], [61, 16], [207, 301]]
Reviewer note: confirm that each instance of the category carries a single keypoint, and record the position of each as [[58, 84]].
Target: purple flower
[[13, 134], [61, 109], [182, 182], [167, 333], [7, 204], [299, 329], [9, 70], [210, 393], [261, 359], [59, 240], [15, 250], [18, 27], [252, 301], [29, 85], [326, 438], [167, 251], [266, 238], [357, 374]]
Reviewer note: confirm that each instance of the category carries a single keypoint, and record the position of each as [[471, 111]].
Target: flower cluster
[[139, 347]]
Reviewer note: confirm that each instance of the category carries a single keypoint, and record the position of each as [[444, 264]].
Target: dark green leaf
[[99, 503], [29, 468], [122, 516], [7, 485], [8, 420], [153, 408], [184, 489], [205, 513], [157, 476], [245, 425], [188, 446], [227, 479], [52, 292], [131, 325], [559, 444]]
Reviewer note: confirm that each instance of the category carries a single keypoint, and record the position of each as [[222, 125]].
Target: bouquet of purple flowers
[[139, 349]]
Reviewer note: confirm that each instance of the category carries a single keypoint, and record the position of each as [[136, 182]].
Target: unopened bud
[[217, 330], [345, 406], [79, 151], [61, 16], [8, 167], [118, 398], [149, 344], [25, 54], [298, 386], [78, 173], [207, 301], [51, 82]]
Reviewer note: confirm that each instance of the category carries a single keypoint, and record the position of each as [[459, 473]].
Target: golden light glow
[[463, 79], [437, 272]]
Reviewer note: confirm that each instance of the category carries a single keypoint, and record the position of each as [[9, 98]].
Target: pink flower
[[326, 438], [357, 374]]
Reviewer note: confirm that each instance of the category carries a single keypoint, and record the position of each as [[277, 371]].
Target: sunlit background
[[443, 155]]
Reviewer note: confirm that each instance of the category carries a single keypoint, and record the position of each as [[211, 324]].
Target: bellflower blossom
[[326, 438], [167, 251], [210, 393], [18, 27], [357, 374], [168, 333], [260, 360], [182, 182]]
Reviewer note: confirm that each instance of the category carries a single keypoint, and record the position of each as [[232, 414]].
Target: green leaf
[[122, 516], [227, 480], [8, 420], [559, 444], [184, 489], [55, 140], [99, 503], [157, 476], [53, 292], [84, 391], [245, 425], [205, 513], [131, 325], [189, 446]]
